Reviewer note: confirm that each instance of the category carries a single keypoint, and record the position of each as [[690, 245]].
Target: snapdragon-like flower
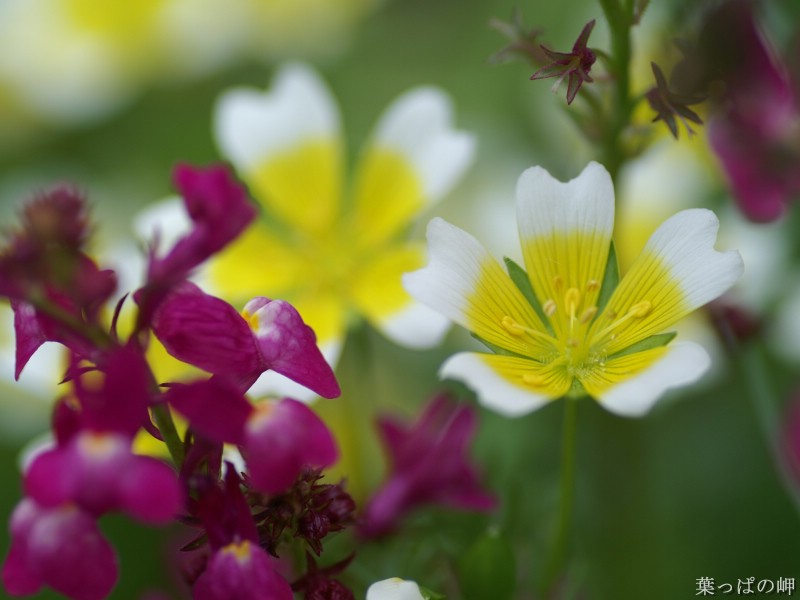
[[61, 547], [208, 333], [567, 326], [754, 126], [278, 438], [429, 465], [94, 447], [238, 566], [331, 256]]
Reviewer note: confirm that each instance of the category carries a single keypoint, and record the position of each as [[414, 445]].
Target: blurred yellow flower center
[[125, 19], [240, 550]]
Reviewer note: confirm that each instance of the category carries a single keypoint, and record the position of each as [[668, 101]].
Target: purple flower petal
[[86, 472], [28, 332], [215, 408], [220, 211], [208, 333], [289, 346], [280, 439]]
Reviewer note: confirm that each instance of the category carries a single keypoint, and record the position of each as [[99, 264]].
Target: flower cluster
[[58, 293]]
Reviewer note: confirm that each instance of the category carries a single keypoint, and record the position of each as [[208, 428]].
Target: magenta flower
[[575, 65], [429, 465], [60, 547], [86, 472], [277, 438], [241, 570], [219, 209], [95, 447], [238, 566], [269, 334], [755, 127]]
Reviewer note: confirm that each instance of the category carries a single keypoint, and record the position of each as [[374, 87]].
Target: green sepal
[[610, 279], [654, 341], [497, 349], [520, 278], [486, 571]]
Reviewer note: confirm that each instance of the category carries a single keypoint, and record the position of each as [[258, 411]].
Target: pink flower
[[219, 209], [754, 127], [277, 438], [238, 566], [94, 447], [241, 570], [429, 465], [60, 547], [269, 334]]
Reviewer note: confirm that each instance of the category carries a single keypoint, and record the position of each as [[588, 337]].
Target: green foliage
[[487, 570]]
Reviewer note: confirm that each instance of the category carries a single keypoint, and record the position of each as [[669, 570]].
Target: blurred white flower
[[394, 589]]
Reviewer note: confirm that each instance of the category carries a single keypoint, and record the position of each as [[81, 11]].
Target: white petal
[[250, 125], [494, 392], [683, 364], [416, 326], [167, 221], [394, 589], [685, 244], [418, 125], [274, 385], [546, 205], [452, 273]]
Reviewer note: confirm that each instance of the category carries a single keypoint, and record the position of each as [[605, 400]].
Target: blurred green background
[[689, 491]]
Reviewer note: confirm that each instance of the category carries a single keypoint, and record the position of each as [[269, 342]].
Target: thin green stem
[[558, 556], [750, 363], [619, 22], [166, 425]]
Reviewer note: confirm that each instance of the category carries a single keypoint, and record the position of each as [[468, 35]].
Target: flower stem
[[749, 361], [558, 555], [620, 20], [166, 425]]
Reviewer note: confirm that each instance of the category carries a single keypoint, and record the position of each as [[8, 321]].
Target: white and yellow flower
[[566, 328], [336, 251]]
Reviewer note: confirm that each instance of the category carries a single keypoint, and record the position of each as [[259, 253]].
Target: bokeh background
[[692, 490]]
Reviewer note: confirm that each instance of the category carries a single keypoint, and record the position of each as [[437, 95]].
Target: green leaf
[[610, 279], [520, 278], [497, 349], [654, 341], [486, 571]]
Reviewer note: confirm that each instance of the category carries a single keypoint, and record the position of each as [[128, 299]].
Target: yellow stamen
[[588, 314], [593, 285], [549, 307], [558, 283], [512, 326]]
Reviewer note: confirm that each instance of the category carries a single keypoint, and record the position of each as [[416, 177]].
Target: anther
[[571, 300], [588, 314], [558, 283], [512, 326], [549, 307], [593, 285], [641, 309]]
